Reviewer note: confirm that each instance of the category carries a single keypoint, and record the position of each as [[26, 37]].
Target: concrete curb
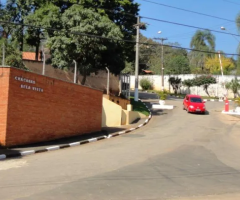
[[53, 148], [217, 100]]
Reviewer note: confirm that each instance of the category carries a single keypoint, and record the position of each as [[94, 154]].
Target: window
[[196, 100]]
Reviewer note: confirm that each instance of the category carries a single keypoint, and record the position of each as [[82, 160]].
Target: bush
[[162, 94], [146, 84], [237, 101]]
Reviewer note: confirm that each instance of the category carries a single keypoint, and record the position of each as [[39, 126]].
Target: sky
[[227, 9]]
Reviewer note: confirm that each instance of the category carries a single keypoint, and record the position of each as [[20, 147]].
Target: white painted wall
[[214, 90]]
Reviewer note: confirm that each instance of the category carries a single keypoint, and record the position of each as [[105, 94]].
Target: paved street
[[177, 156]]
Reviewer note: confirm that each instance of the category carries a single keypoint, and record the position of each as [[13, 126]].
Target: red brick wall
[[49, 109], [4, 83]]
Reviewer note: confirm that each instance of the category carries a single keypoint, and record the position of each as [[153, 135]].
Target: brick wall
[[42, 108], [4, 83]]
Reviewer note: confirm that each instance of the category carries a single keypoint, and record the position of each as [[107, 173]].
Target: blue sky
[[227, 9]]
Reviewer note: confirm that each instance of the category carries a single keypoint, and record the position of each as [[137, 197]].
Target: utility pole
[[162, 39], [137, 59], [137, 26]]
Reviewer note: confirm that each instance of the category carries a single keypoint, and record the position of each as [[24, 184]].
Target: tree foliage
[[233, 85], [91, 53], [213, 64], [175, 82], [204, 81], [188, 83], [205, 41], [13, 56]]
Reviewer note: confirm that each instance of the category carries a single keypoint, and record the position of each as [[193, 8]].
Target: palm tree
[[205, 41]]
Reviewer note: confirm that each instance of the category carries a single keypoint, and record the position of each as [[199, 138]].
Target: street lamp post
[[224, 29]]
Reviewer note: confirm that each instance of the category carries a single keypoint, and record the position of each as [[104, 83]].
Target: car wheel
[[188, 111]]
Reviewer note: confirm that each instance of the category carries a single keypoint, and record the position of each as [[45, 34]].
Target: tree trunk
[[84, 79], [205, 87], [84, 74], [37, 52]]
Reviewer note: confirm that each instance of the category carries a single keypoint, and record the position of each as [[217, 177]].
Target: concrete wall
[[111, 113], [129, 117], [118, 100], [42, 108], [214, 90], [114, 115]]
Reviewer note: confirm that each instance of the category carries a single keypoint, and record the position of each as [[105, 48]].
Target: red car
[[194, 104]]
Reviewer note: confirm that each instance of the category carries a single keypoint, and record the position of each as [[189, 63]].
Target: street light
[[224, 29]]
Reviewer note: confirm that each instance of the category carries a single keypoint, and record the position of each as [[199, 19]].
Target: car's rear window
[[196, 100]]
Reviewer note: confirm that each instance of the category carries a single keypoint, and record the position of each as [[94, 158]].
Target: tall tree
[[16, 11], [90, 52], [212, 64], [45, 20], [205, 41]]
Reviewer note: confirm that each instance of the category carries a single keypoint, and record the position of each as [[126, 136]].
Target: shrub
[[234, 85], [237, 101], [162, 94], [146, 84]]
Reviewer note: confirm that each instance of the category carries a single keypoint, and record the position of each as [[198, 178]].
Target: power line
[[160, 4], [232, 2], [190, 26], [114, 39]]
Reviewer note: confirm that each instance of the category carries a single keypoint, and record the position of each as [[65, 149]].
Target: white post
[[44, 58], [75, 72], [225, 91], [108, 81], [3, 58]]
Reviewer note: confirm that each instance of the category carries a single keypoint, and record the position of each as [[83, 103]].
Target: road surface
[[177, 156]]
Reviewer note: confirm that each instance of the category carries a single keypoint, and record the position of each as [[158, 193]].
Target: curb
[[217, 100], [73, 144]]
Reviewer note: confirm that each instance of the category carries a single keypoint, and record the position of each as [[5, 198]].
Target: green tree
[[47, 16], [16, 11], [188, 83], [202, 40], [13, 57], [90, 53], [178, 65], [233, 85], [205, 82], [175, 82]]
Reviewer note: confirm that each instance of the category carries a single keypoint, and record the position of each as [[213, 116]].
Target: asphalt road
[[176, 156]]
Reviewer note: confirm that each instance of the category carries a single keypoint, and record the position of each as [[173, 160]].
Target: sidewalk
[[106, 133]]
